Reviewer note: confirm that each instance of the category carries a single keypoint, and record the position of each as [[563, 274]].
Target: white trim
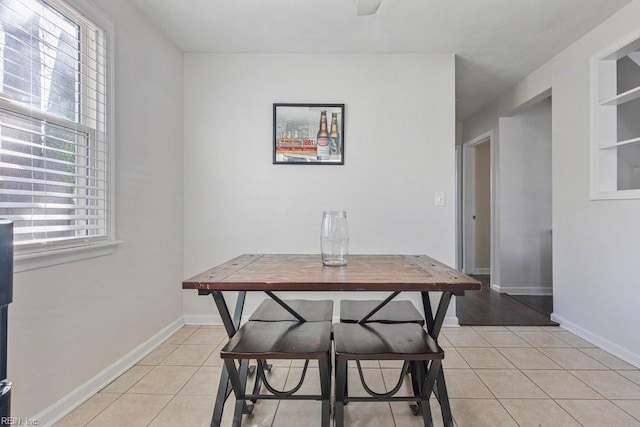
[[203, 319], [620, 144], [33, 260], [450, 322], [75, 398], [627, 96], [631, 41], [468, 167], [615, 195], [478, 139], [468, 207], [603, 180], [479, 270], [101, 18], [214, 319], [458, 208], [523, 290], [547, 93], [30, 112], [603, 343]]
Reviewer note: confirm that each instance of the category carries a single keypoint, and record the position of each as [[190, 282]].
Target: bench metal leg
[[341, 390], [238, 380], [416, 384], [325, 387], [261, 367]]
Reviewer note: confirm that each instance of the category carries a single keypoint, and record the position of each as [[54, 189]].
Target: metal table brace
[[434, 325]]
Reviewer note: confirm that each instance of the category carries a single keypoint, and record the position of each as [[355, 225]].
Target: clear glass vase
[[334, 238]]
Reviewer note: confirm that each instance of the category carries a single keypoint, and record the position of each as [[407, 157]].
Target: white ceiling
[[497, 42]]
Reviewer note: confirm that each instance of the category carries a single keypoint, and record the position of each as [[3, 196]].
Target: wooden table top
[[255, 272]]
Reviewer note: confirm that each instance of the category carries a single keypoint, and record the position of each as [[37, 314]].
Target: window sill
[[616, 195], [34, 260]]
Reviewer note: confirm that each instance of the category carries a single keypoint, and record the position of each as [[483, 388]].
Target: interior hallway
[[491, 308]]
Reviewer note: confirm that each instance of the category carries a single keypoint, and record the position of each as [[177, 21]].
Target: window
[[54, 150], [615, 135]]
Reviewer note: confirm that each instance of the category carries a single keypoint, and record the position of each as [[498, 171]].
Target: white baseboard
[[203, 319], [215, 320], [523, 290], [68, 403], [449, 321], [483, 271], [603, 343]]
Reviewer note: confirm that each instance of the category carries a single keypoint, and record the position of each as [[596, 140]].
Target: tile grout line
[[162, 409], [496, 397], [481, 380], [129, 388], [286, 378], [386, 390], [521, 372], [526, 376], [624, 410], [605, 367], [104, 409], [186, 382], [173, 396]]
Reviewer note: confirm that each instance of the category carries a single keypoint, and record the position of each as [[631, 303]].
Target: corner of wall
[[528, 91], [66, 404]]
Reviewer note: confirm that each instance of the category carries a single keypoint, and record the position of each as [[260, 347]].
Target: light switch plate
[[440, 199]]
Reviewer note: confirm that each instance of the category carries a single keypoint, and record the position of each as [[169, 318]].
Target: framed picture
[[310, 134]]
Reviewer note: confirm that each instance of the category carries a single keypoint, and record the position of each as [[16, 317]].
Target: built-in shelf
[[615, 124], [627, 96], [618, 144]]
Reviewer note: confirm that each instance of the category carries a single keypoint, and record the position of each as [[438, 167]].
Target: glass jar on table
[[334, 238]]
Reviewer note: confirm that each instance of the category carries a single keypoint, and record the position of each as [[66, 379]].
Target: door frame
[[468, 201]]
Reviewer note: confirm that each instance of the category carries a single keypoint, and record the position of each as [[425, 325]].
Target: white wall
[[595, 243], [521, 154], [525, 208], [531, 90], [69, 322], [399, 151], [483, 122]]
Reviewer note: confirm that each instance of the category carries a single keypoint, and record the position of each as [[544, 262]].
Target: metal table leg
[[231, 325], [434, 325], [378, 307]]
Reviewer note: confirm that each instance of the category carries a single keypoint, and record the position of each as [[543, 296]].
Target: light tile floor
[[496, 376]]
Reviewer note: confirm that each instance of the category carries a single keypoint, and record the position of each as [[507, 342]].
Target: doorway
[[517, 288], [477, 206]]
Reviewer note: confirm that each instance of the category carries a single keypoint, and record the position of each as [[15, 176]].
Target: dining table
[[271, 273]]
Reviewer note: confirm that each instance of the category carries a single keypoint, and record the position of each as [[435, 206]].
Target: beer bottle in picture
[[334, 136], [323, 149]]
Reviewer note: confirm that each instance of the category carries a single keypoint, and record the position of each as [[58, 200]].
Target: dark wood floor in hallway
[[491, 308]]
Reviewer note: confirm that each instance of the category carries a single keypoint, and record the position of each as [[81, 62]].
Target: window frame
[[604, 119], [31, 257]]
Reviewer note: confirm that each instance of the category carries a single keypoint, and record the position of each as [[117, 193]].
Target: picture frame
[[300, 138]]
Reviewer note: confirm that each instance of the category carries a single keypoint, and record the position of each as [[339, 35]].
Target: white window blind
[[53, 130]]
